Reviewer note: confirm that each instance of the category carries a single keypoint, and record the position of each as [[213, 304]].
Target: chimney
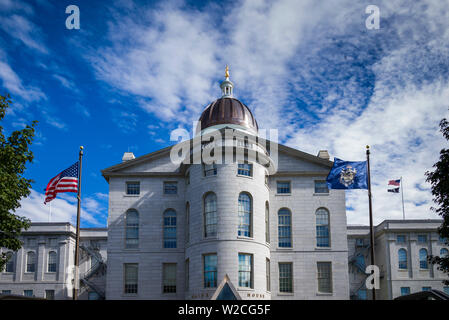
[[128, 156], [323, 154]]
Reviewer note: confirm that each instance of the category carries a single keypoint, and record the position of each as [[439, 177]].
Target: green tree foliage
[[439, 179], [15, 153]]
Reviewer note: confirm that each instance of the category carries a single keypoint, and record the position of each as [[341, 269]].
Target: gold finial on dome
[[227, 72]]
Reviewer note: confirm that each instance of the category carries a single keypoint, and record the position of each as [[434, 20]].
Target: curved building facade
[[240, 217]]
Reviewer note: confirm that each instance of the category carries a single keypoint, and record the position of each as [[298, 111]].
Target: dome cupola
[[228, 111]]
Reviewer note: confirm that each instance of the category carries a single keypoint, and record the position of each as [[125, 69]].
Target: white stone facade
[[43, 238], [412, 277]]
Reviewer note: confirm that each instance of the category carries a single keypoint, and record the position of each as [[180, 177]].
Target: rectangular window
[[268, 274], [133, 188], [210, 169], [50, 294], [426, 288], [422, 238], [210, 270], [360, 242], [283, 187], [321, 187], [245, 169], [131, 277], [169, 278], [170, 187], [6, 291], [405, 291], [285, 277], [93, 296], [187, 275], [324, 277], [400, 238], [245, 270], [28, 293], [31, 242], [442, 240]]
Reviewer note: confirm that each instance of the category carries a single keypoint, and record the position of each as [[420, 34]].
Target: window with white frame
[[284, 228], [285, 277], [31, 262], [283, 187], [245, 270], [170, 228], [322, 228], [28, 293], [210, 215], [245, 209], [52, 261], [321, 186], [10, 262], [443, 253], [402, 257], [422, 238], [423, 259], [400, 239], [170, 187], [131, 278], [133, 188], [210, 270], [245, 169], [324, 277], [405, 291], [169, 278], [132, 229]]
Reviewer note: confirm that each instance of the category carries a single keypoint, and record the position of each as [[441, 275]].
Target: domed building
[[236, 216]]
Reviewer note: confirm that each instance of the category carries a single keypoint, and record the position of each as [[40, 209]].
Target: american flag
[[394, 182], [66, 181]]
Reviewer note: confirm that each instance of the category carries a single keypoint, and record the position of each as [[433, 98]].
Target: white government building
[[263, 226]]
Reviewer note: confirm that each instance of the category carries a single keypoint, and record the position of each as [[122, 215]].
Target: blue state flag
[[348, 175]]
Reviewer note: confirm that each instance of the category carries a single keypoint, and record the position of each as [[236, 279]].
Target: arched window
[[402, 258], [132, 228], [10, 262], [52, 261], [31, 261], [170, 228], [267, 222], [423, 258], [443, 253], [285, 228], [245, 212], [322, 228], [187, 222], [210, 215]]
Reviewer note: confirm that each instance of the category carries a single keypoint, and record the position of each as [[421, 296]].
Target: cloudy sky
[[135, 71]]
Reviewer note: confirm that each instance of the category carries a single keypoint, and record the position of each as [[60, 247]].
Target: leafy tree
[[15, 153], [439, 179]]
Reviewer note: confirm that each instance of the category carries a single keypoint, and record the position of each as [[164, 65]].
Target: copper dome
[[228, 110]]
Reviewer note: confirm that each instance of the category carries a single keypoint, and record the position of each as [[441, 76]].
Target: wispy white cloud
[[21, 28], [310, 69], [63, 209], [12, 82]]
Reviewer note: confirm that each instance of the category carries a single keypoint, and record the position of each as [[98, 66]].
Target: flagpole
[[49, 216], [370, 216], [77, 243], [402, 192]]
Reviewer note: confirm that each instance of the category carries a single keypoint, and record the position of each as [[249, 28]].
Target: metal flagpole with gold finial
[[77, 241]]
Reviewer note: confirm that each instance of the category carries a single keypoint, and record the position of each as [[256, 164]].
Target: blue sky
[[134, 71]]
